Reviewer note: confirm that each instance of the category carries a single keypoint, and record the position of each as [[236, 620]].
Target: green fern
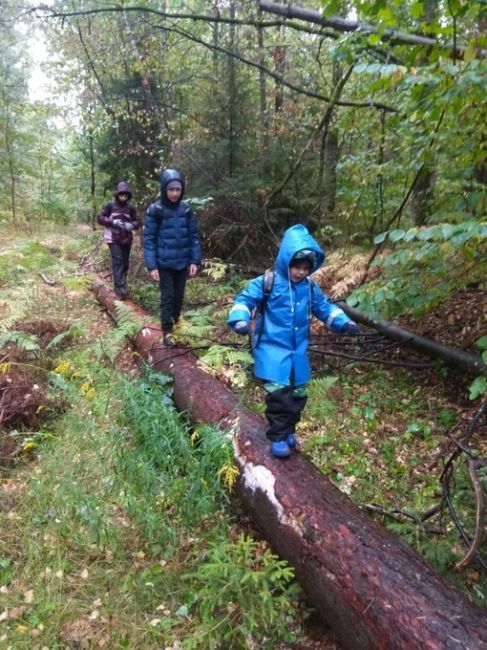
[[320, 407], [18, 304], [76, 329], [218, 356], [26, 342], [215, 269], [127, 321], [229, 362], [198, 326], [128, 326]]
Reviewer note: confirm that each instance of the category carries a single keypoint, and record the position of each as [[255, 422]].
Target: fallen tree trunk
[[374, 591], [467, 361], [347, 25]]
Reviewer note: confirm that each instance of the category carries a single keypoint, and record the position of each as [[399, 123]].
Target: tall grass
[[114, 531]]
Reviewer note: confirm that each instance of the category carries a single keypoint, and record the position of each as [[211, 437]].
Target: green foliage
[[233, 361], [426, 265], [482, 346], [24, 341], [479, 386], [166, 462], [74, 330], [6, 570], [242, 596], [198, 325], [215, 269], [128, 326], [319, 406]]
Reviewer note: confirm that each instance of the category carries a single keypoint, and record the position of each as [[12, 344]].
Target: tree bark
[[421, 202], [374, 591], [346, 25], [467, 361]]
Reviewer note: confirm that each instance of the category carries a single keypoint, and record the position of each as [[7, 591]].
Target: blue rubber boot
[[280, 449], [292, 441]]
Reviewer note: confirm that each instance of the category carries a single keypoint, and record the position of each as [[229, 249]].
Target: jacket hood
[[169, 175], [123, 187], [296, 239]]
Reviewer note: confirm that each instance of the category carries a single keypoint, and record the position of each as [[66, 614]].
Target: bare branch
[[213, 47], [473, 465], [392, 36]]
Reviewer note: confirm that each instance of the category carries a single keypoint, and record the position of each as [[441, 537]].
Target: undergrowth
[[383, 442], [376, 433], [124, 530], [118, 531]]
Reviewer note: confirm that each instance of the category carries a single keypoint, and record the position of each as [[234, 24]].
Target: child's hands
[[241, 327], [192, 270], [351, 328], [154, 275]]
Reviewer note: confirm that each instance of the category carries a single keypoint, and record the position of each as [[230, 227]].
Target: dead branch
[[392, 36], [473, 465], [462, 359], [322, 127], [46, 279]]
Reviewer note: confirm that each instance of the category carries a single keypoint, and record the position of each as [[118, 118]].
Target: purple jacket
[[117, 210]]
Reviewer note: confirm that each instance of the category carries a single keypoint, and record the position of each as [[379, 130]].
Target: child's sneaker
[[280, 449], [168, 341], [292, 441]]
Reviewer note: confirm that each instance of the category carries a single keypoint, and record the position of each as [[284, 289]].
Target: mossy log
[[373, 590]]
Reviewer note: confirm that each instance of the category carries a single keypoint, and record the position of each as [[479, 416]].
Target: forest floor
[[79, 567], [382, 434]]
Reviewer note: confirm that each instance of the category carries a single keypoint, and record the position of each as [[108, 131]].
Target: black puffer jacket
[[171, 234]]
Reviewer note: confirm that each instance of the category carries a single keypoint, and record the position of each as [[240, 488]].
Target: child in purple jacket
[[119, 218]]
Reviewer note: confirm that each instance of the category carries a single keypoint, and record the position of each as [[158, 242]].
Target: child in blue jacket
[[172, 250], [282, 330]]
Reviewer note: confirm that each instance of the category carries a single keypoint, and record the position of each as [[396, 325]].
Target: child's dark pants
[[283, 411], [171, 285], [120, 263]]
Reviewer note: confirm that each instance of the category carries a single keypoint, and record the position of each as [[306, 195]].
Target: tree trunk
[[467, 361], [374, 591], [392, 36], [232, 98], [424, 187], [264, 117], [279, 55]]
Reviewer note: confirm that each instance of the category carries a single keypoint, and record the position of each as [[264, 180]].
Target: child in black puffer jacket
[[172, 248]]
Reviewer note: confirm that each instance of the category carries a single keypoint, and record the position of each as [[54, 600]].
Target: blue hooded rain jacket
[[281, 336]]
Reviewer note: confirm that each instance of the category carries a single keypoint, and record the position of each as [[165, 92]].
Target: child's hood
[[296, 239], [169, 175], [123, 187]]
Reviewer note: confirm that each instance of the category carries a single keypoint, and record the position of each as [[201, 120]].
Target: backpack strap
[[160, 214], [267, 285]]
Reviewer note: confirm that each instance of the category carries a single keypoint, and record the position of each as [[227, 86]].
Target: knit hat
[[174, 184], [305, 255]]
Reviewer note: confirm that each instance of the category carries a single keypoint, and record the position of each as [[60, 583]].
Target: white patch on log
[[146, 331], [259, 477]]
